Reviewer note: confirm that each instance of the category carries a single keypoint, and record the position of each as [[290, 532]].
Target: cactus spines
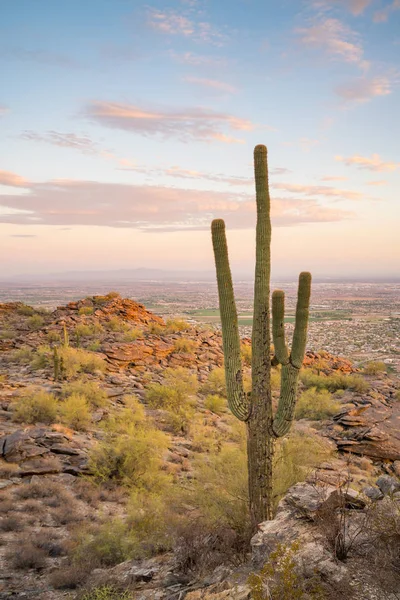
[[263, 427]]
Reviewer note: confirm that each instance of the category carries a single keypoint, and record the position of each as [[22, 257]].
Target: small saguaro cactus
[[56, 364], [255, 408], [66, 336]]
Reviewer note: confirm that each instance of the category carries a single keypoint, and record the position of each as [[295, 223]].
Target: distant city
[[359, 320]]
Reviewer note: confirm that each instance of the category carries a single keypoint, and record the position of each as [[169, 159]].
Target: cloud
[[22, 235], [13, 180], [375, 163], [364, 89], [318, 190], [356, 7], [64, 140], [212, 83], [333, 178], [43, 57], [198, 60], [334, 38], [198, 124], [151, 208], [381, 16], [380, 182], [3, 110], [173, 23]]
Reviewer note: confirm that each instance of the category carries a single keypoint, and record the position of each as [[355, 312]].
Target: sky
[[127, 126]]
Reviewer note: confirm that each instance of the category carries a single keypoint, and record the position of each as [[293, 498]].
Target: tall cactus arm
[[278, 328], [261, 365], [287, 401], [237, 399], [300, 329]]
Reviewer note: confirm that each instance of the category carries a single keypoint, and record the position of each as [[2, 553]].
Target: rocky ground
[[45, 489]]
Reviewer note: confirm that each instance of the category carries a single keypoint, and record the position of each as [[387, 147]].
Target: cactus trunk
[[263, 427]]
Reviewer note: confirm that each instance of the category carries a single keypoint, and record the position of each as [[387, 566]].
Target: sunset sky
[[127, 126]]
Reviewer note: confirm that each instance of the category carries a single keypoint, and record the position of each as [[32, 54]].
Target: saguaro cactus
[[263, 427]]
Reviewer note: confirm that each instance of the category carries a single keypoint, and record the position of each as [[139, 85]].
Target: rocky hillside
[[80, 386]]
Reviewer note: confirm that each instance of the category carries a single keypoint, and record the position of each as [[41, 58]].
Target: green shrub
[[94, 346], [35, 322], [130, 335], [42, 358], [184, 345], [176, 325], [316, 405], [53, 336], [106, 592], [279, 578], [75, 412], [22, 356], [7, 334], [131, 450], [215, 403], [77, 360], [104, 546], [36, 407], [86, 310], [296, 456], [333, 382], [245, 351], [83, 330], [215, 383], [116, 324], [156, 329], [90, 390], [374, 367], [25, 310]]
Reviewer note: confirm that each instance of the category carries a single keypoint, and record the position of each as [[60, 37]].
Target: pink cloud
[[212, 83], [151, 208], [381, 16], [333, 178], [13, 180], [380, 182], [199, 124], [3, 110], [356, 7], [173, 23], [334, 38], [318, 190], [375, 163], [364, 89], [83, 143], [198, 60]]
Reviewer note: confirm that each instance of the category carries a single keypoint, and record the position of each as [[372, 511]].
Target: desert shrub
[[184, 345], [106, 592], [245, 351], [215, 383], [7, 469], [22, 356], [35, 322], [112, 295], [36, 407], [132, 334], [384, 533], [104, 545], [205, 438], [131, 450], [75, 412], [25, 310], [156, 329], [7, 334], [86, 310], [67, 512], [11, 523], [333, 382], [279, 578], [89, 389], [296, 456], [50, 543], [26, 556], [88, 491], [215, 403], [374, 367], [94, 346], [316, 405], [45, 489], [68, 577], [53, 336], [174, 396], [176, 325], [117, 324], [42, 357], [77, 360], [83, 330]]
